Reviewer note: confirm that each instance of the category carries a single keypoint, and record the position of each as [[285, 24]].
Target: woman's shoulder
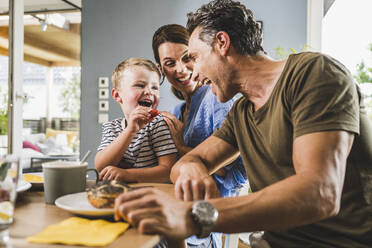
[[177, 110]]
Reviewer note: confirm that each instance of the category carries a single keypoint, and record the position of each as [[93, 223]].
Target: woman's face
[[177, 67]]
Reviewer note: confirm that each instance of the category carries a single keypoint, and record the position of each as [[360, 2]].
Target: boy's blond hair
[[120, 68]]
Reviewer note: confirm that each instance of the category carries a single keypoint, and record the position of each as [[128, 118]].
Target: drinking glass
[[9, 175]]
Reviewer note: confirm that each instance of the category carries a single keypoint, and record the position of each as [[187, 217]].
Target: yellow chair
[[71, 135]]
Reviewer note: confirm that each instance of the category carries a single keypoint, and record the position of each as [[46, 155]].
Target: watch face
[[205, 212]]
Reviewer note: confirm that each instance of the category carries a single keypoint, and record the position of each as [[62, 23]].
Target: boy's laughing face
[[138, 87]]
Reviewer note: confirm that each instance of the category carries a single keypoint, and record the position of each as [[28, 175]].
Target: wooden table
[[32, 215]]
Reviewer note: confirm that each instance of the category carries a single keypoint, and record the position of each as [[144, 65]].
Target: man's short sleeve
[[323, 97]]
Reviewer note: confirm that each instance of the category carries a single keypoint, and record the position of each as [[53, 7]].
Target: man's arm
[[191, 174], [312, 194]]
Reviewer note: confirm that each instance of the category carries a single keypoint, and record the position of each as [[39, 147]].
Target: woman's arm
[[176, 128], [156, 174]]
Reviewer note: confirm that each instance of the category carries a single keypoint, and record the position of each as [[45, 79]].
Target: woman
[[196, 118]]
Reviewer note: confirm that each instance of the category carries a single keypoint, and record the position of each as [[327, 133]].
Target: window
[[347, 37]]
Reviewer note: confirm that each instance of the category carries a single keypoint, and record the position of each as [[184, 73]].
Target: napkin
[[80, 231], [33, 178]]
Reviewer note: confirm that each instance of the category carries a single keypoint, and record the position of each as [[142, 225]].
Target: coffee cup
[[64, 177]]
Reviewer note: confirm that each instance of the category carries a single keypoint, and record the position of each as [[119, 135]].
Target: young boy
[[138, 147]]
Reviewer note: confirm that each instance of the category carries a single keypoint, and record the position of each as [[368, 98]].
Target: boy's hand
[[112, 173], [139, 118]]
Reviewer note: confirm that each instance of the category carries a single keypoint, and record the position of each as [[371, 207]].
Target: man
[[301, 130]]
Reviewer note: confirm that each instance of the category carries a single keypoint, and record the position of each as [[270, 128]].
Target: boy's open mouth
[[145, 103]]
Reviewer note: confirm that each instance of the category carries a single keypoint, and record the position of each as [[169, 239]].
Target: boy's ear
[[116, 96]]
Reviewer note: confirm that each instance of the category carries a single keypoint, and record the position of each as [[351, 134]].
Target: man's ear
[[116, 96], [222, 42], [160, 69]]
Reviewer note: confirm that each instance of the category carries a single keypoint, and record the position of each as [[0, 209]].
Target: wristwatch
[[205, 215]]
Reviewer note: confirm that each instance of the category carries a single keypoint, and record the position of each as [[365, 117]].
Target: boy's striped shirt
[[150, 142]]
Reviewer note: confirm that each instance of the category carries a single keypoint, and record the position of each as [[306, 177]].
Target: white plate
[[37, 184], [78, 204], [23, 186]]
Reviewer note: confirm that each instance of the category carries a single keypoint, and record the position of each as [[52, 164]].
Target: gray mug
[[63, 178]]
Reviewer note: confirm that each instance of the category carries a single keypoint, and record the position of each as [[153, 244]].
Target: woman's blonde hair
[[120, 68]]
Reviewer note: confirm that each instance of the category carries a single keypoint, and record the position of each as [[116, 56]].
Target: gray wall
[[113, 30]]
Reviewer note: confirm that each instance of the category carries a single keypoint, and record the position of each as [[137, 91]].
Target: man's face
[[208, 64]]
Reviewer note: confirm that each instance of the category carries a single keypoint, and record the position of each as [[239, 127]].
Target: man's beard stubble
[[227, 87]]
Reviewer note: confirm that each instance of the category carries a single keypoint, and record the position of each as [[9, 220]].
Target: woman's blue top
[[206, 114]]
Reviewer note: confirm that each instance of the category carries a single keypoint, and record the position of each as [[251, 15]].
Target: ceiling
[[55, 46], [58, 45]]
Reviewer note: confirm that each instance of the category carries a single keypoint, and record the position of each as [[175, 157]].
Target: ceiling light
[[55, 19], [44, 26], [58, 20]]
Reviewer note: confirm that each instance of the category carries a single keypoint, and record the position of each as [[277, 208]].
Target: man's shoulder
[[305, 60], [307, 56]]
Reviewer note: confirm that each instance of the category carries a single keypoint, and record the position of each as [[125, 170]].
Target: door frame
[[315, 12], [15, 76]]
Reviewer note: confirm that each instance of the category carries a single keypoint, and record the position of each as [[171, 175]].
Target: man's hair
[[120, 68], [170, 33], [233, 18]]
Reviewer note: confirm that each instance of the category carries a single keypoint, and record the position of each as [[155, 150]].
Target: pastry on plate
[[104, 193]]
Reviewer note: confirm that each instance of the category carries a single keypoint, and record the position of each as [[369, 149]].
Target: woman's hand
[[176, 127], [112, 173]]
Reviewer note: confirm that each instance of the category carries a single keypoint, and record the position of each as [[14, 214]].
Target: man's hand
[[191, 174], [194, 183], [152, 211], [112, 173]]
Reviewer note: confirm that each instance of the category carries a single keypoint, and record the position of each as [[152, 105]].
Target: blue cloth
[[206, 114]]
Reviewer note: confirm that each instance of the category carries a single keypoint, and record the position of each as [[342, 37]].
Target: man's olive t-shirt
[[314, 93]]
